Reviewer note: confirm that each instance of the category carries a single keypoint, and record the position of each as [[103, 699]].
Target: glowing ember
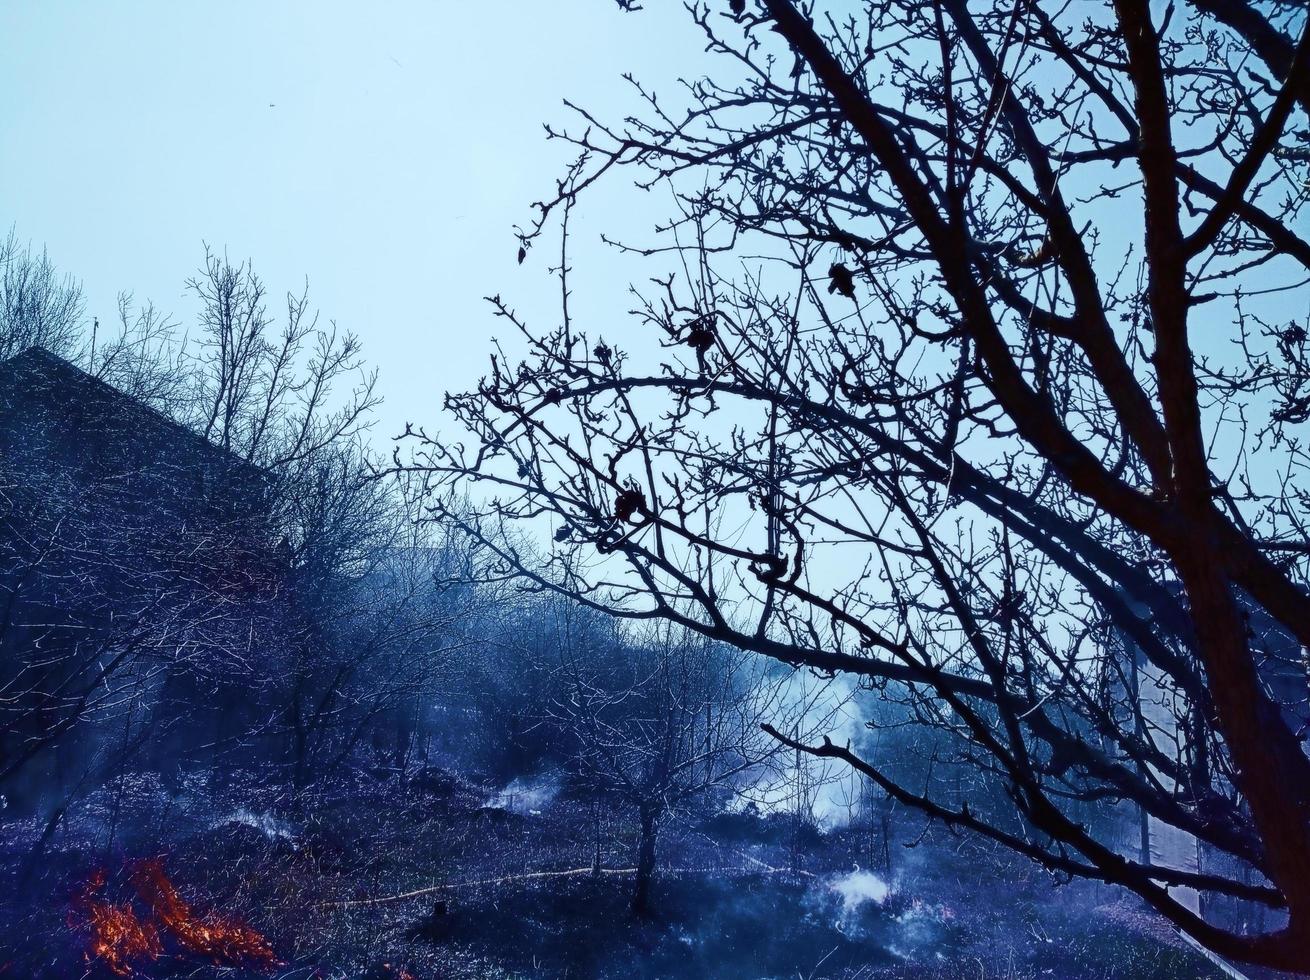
[[118, 938], [222, 941], [124, 942]]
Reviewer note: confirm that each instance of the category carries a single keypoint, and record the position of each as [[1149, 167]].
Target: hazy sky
[[383, 150]]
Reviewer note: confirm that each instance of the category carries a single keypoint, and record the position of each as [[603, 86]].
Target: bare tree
[[267, 392], [981, 354], [43, 308], [38, 306], [371, 619], [660, 720]]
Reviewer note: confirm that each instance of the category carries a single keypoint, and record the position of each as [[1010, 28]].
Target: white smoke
[[525, 796], [858, 887], [827, 791], [849, 901], [270, 826]]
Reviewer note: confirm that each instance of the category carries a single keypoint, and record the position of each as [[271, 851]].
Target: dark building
[[134, 556], [57, 418], [1173, 726]]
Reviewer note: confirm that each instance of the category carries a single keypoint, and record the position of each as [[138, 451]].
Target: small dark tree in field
[[659, 721], [977, 352]]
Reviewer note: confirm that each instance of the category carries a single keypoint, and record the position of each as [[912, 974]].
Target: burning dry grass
[[126, 942], [119, 939], [352, 893]]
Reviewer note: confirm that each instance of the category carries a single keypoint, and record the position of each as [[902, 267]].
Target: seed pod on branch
[[628, 504], [841, 280]]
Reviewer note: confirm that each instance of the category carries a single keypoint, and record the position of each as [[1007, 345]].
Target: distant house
[[134, 555], [56, 417], [1172, 726]]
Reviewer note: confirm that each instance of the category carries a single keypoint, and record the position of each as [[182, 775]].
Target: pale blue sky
[[383, 150]]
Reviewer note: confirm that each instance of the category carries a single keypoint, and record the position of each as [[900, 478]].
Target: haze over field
[[619, 489]]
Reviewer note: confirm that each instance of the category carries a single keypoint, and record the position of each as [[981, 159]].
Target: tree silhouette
[[981, 375]]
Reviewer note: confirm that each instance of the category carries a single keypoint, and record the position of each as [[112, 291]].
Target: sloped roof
[[37, 380]]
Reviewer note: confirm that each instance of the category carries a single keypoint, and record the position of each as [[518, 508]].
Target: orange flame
[[124, 942], [118, 938], [224, 942]]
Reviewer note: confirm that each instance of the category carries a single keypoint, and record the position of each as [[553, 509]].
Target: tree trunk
[[645, 861]]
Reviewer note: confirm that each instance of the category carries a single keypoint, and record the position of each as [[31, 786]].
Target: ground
[[440, 876]]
